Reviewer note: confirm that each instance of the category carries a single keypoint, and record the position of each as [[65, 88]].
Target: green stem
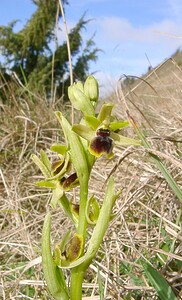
[[77, 274], [82, 222], [77, 277], [99, 231]]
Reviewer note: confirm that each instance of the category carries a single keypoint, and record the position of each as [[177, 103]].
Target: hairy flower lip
[[101, 145], [70, 181], [103, 132]]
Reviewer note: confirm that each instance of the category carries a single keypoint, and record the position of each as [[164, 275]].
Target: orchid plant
[[94, 136]]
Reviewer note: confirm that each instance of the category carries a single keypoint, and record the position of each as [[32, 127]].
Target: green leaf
[[53, 275], [159, 283]]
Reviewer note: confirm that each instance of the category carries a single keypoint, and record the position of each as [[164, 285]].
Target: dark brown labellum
[[101, 144], [69, 181]]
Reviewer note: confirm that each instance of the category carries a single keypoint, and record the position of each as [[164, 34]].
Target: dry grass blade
[[147, 223]]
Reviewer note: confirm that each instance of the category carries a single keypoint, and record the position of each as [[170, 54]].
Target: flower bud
[[80, 101], [91, 88], [79, 86]]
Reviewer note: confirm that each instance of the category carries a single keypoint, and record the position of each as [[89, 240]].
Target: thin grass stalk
[[170, 180], [69, 54]]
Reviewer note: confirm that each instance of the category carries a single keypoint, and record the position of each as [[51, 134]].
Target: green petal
[[84, 131], [118, 125], [124, 141]]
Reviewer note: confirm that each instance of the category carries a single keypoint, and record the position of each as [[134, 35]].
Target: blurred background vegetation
[[35, 56]]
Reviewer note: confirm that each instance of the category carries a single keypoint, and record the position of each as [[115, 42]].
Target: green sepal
[[56, 195], [124, 141], [93, 122], [45, 171], [118, 125], [58, 148], [53, 275], [84, 131], [45, 160], [80, 101], [105, 113], [46, 183]]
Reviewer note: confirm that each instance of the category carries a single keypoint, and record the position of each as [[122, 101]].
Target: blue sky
[[128, 31]]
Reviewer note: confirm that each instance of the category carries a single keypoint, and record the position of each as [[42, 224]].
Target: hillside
[[147, 217]]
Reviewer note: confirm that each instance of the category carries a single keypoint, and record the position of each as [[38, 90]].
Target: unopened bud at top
[[91, 89]]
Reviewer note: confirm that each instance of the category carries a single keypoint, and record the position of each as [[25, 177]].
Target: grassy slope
[[147, 223]]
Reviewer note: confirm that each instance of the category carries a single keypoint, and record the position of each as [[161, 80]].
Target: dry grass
[[148, 215]]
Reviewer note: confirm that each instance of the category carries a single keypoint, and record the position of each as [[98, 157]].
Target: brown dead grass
[[148, 215]]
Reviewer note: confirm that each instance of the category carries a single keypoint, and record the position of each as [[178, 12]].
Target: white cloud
[[116, 30]]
